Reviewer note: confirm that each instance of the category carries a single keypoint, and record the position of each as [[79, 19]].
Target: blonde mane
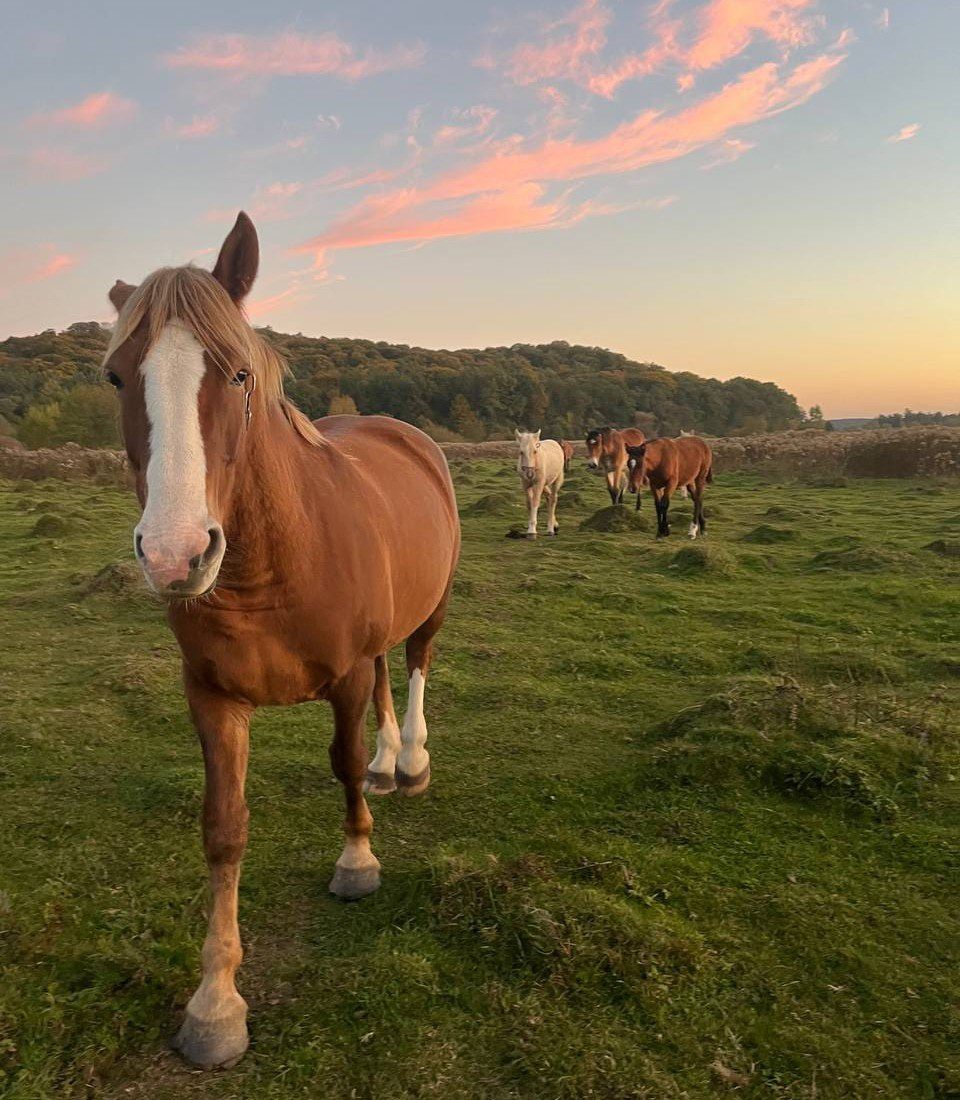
[[194, 298]]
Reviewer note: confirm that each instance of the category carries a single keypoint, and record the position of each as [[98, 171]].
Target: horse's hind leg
[[413, 763], [699, 524], [358, 869], [553, 493], [380, 775]]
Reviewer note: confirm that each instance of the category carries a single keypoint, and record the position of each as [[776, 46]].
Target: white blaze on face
[[175, 521]]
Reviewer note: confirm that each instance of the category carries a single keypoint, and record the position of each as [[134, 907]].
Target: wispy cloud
[[53, 165], [95, 112], [200, 126], [510, 187], [905, 133], [468, 123], [269, 203], [289, 54], [730, 149], [703, 38], [35, 264]]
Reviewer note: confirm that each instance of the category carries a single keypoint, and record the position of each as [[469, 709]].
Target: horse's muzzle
[[181, 565]]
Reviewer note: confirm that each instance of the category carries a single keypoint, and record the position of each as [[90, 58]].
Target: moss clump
[[117, 579], [768, 535], [615, 519], [947, 548], [703, 557], [859, 559], [49, 526], [493, 504]]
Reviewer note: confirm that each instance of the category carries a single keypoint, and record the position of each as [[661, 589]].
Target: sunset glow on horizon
[[730, 187]]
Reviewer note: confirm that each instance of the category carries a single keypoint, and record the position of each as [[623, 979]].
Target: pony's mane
[[193, 297]]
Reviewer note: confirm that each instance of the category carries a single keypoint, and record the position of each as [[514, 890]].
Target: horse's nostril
[[214, 546], [138, 546]]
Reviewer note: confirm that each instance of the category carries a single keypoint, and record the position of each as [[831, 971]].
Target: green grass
[[693, 826]]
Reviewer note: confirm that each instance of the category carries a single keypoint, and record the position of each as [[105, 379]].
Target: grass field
[[693, 827]]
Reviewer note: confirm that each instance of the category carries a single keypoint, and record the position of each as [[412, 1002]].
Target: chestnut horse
[[567, 449], [607, 450], [292, 556], [666, 465]]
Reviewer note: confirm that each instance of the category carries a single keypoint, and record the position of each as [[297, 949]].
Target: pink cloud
[[199, 126], [289, 54], [572, 42], [51, 165], [705, 38], [95, 112], [269, 203], [473, 122], [33, 265], [507, 189], [905, 133], [731, 149]]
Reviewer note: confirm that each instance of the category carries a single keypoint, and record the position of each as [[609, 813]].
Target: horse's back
[[694, 456], [400, 488], [554, 459]]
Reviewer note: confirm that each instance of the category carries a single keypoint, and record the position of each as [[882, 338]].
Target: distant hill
[[853, 423], [53, 379]]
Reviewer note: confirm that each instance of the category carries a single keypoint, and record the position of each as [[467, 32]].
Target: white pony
[[540, 467]]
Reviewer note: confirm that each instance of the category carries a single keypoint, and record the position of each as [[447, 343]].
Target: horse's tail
[[710, 474]]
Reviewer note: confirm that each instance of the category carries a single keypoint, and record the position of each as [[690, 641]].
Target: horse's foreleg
[[413, 764], [613, 486], [380, 774], [358, 869], [214, 1031], [534, 493], [663, 507]]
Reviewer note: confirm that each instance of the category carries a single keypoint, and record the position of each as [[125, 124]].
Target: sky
[[765, 188]]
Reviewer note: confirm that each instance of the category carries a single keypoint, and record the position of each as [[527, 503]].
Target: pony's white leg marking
[[357, 855], [533, 507], [388, 745], [683, 492], [414, 758], [694, 530]]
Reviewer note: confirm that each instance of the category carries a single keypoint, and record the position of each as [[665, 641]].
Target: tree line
[[51, 389]]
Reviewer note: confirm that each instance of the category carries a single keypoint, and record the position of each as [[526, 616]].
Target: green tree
[[88, 416], [465, 420], [39, 426], [342, 404]]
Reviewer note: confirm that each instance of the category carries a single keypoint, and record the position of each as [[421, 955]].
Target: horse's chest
[[264, 664]]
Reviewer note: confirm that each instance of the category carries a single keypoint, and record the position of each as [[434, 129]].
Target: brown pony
[[607, 449], [567, 449], [666, 465], [292, 557]]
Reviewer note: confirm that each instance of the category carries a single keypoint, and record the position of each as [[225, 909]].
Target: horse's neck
[[268, 515]]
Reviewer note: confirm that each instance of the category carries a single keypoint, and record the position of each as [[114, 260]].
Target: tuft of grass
[[616, 518], [859, 559], [704, 557], [768, 535], [947, 548], [51, 526]]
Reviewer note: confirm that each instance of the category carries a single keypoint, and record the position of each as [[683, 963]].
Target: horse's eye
[[239, 378], [114, 380]]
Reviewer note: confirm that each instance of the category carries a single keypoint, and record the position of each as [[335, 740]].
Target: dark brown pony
[[666, 465], [607, 450], [292, 556], [567, 449]]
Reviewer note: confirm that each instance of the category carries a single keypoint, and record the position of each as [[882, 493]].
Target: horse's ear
[[516, 434], [119, 293], [236, 266], [537, 432]]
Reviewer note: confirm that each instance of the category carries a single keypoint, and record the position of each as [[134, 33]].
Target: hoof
[[213, 1044], [413, 784], [553, 534], [379, 783], [353, 883], [530, 535]]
